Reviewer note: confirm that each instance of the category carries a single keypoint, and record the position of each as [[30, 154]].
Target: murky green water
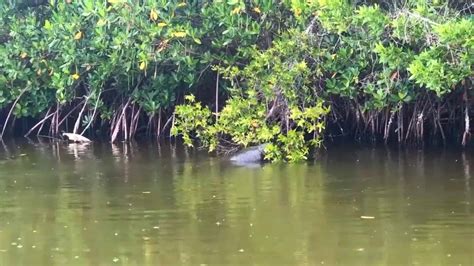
[[151, 205]]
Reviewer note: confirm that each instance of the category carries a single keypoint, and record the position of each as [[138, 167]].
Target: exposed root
[[79, 117], [466, 133], [117, 123], [10, 113], [40, 123]]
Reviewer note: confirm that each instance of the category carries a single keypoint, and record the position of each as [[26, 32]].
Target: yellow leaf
[[181, 4], [297, 12], [257, 10], [75, 76], [179, 34], [114, 1], [190, 98], [78, 36], [153, 15], [162, 24], [322, 3], [142, 65], [235, 11], [23, 55], [47, 25], [101, 22]]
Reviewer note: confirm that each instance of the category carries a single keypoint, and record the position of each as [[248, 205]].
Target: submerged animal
[[250, 155], [76, 138]]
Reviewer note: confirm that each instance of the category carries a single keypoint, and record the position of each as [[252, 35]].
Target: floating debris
[[367, 217]]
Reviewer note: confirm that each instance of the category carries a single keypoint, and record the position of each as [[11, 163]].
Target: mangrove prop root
[[40, 123], [118, 122], [79, 117], [158, 127], [10, 112], [387, 127], [168, 122], [93, 116], [217, 97], [466, 126], [134, 122]]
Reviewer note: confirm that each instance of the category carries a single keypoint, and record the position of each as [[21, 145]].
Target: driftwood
[[76, 138]]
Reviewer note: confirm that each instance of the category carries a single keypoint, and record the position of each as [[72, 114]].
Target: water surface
[[150, 204]]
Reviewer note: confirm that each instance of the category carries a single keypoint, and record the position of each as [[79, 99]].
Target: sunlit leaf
[[236, 10], [115, 1], [153, 15], [47, 25], [179, 34], [78, 35], [101, 22]]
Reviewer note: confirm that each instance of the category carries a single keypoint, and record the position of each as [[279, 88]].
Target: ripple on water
[[162, 216]]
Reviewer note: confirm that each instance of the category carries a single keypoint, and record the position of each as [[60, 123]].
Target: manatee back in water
[[250, 155]]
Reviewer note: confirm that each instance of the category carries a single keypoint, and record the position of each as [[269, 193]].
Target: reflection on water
[[150, 204]]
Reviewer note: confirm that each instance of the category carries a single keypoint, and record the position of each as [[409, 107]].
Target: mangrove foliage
[[231, 74]]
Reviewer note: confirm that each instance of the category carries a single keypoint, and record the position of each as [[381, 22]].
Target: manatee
[[76, 138], [249, 155]]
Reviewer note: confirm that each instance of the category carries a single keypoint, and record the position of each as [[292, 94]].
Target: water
[[145, 204]]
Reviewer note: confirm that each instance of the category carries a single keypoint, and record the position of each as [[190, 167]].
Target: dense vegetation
[[237, 73]]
